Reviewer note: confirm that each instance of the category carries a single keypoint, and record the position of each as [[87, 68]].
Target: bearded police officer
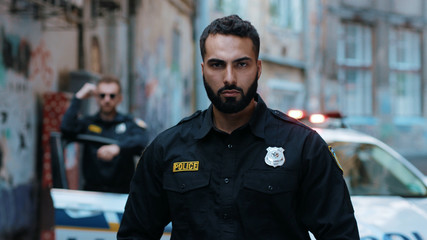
[[237, 170]]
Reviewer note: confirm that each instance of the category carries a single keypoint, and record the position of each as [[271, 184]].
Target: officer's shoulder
[[136, 120], [140, 123], [191, 117], [285, 118]]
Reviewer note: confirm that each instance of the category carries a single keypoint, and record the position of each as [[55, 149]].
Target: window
[[371, 170], [285, 95], [405, 71], [354, 69], [229, 7], [286, 14]]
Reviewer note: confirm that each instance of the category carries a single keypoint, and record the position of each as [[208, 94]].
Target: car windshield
[[370, 170]]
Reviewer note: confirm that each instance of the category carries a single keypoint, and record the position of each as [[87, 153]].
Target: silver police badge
[[121, 128], [274, 156]]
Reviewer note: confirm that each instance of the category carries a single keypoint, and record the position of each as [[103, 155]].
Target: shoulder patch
[[194, 115], [141, 123], [335, 157]]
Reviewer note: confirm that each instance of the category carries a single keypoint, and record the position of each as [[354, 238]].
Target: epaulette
[[280, 115], [194, 115]]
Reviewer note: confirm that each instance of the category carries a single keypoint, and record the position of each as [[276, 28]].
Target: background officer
[[107, 168]]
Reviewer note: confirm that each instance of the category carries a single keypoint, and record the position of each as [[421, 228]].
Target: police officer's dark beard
[[231, 105]]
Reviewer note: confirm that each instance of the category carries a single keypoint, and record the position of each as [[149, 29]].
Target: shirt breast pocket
[[182, 182], [189, 197], [270, 182]]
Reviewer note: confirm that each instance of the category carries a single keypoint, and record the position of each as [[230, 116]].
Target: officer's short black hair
[[110, 79], [231, 25]]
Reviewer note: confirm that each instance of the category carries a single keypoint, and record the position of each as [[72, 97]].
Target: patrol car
[[78, 214], [388, 193]]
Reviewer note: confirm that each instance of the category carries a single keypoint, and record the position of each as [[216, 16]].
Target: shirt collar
[[206, 124], [118, 118], [257, 121]]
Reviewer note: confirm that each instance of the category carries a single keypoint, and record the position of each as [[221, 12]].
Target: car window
[[370, 170]]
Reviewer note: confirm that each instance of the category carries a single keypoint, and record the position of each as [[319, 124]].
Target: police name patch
[[190, 166], [94, 128]]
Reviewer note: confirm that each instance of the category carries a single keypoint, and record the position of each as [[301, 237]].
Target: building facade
[[363, 59], [373, 53], [48, 49]]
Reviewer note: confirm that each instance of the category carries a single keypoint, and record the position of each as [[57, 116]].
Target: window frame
[[405, 75], [356, 95]]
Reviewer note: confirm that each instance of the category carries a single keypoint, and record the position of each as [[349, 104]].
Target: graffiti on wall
[[17, 155], [18, 128], [41, 65], [18, 56], [15, 54]]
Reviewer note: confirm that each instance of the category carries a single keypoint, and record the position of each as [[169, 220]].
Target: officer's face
[[108, 97], [230, 72]]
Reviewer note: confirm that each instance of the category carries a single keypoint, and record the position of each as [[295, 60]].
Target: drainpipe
[[132, 8], [80, 44], [307, 52], [200, 22]]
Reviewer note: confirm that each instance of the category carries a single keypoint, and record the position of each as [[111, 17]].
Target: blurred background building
[[362, 58]]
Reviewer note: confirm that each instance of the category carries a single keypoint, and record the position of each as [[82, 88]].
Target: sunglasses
[[112, 95]]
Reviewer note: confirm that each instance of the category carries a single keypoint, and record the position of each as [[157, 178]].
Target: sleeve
[[146, 212], [135, 140], [71, 125], [326, 205]]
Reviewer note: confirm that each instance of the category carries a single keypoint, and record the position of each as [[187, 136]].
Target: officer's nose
[[229, 78]]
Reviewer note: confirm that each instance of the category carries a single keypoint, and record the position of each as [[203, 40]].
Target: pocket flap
[[270, 182], [185, 181]]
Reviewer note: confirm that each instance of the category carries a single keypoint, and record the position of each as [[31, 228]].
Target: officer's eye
[[242, 64], [216, 64]]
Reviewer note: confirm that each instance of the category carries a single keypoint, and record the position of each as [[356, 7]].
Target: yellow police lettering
[[190, 166], [94, 128]]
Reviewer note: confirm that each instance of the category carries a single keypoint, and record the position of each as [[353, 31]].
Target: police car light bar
[[296, 113], [317, 118], [324, 120]]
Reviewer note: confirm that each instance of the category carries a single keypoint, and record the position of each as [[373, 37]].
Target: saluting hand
[[88, 90]]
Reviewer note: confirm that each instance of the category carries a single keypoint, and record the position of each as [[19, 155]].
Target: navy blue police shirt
[[99, 175], [273, 178]]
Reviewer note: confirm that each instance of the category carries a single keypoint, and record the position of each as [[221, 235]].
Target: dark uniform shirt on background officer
[[106, 168], [237, 170]]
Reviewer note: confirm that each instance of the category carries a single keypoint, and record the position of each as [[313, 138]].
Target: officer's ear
[[259, 66]]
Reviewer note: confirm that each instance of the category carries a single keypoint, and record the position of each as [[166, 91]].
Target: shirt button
[[230, 146], [182, 186], [226, 180], [270, 188], [225, 216]]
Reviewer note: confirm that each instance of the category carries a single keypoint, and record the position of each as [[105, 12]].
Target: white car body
[[85, 215], [385, 217], [95, 216]]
